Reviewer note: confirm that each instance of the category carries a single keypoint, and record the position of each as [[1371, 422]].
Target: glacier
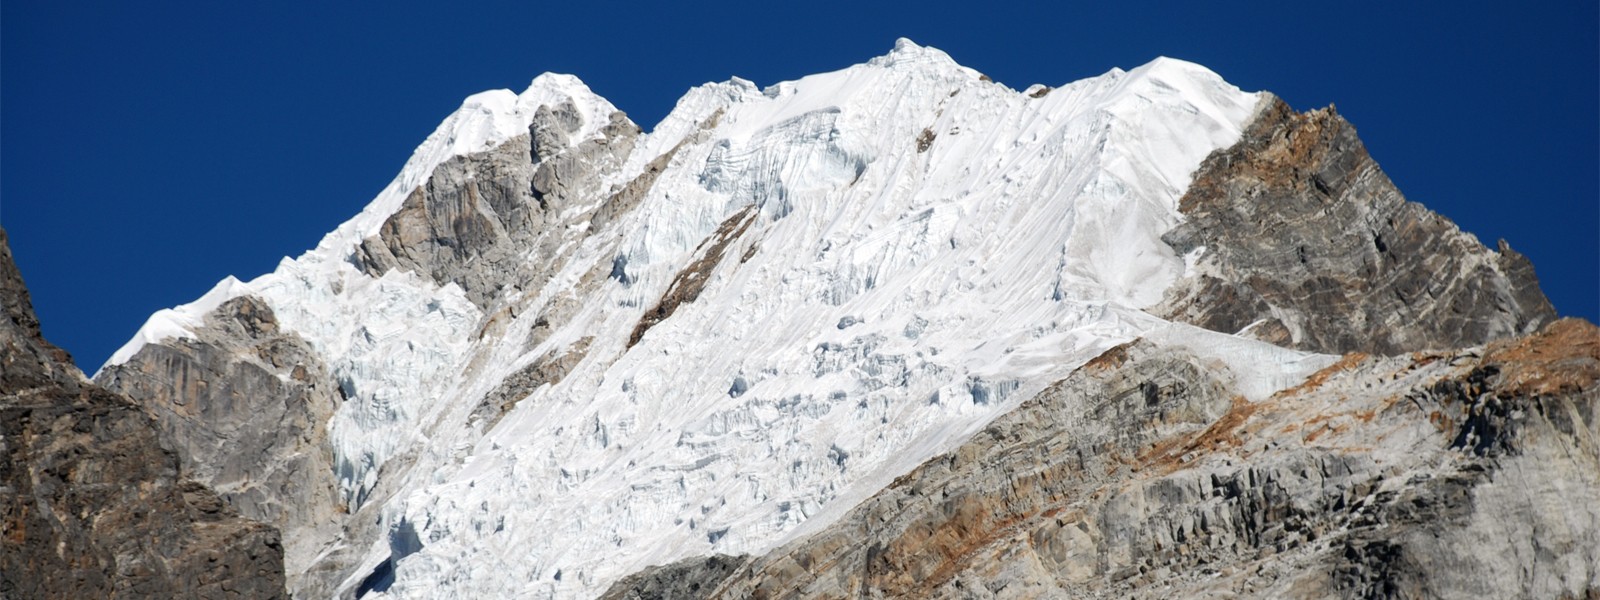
[[886, 257]]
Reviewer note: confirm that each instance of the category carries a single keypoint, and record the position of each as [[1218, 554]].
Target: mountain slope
[[557, 350], [92, 506], [1464, 474]]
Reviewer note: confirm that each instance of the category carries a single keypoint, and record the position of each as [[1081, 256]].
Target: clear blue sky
[[147, 149]]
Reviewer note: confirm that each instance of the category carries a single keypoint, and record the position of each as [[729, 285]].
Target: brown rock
[[245, 406], [1467, 474], [91, 505], [1308, 244]]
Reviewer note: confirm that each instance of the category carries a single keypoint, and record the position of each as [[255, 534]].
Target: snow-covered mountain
[[557, 350]]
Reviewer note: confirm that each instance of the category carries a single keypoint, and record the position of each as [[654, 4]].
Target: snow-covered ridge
[[484, 121], [393, 339], [931, 248], [179, 321]]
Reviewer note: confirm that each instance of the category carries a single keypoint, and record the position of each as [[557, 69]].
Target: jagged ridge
[[552, 372]]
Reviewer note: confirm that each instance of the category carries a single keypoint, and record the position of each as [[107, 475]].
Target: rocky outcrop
[[688, 283], [480, 217], [92, 505], [245, 405], [682, 580], [1464, 474], [1303, 242], [547, 369]]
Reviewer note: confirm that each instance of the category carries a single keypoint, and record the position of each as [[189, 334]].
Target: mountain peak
[[1164, 67], [909, 54], [610, 349], [801, 259], [484, 121]]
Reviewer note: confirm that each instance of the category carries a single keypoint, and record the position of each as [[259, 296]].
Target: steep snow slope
[[886, 258], [484, 121]]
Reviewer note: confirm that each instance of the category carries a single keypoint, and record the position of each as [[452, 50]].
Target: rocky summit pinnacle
[[1300, 240], [896, 330]]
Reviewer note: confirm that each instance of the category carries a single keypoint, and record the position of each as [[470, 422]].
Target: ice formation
[[925, 249]]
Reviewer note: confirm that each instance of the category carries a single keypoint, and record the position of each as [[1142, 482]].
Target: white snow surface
[[485, 120], [893, 302]]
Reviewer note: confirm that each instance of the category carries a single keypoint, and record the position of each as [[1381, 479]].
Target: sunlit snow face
[[894, 296], [930, 249]]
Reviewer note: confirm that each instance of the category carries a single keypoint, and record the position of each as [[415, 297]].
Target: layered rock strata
[[1463, 474], [1297, 238], [92, 505]]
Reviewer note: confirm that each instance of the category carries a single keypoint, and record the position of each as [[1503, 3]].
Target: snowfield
[[925, 249]]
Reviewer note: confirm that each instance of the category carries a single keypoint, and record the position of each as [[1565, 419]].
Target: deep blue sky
[[147, 149]]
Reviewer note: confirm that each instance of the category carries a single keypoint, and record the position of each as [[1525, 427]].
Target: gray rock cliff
[[246, 406], [1305, 243], [493, 220], [91, 504]]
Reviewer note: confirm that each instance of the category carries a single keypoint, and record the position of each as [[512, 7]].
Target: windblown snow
[[928, 249]]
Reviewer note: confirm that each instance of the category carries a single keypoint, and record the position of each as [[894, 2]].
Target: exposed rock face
[[480, 218], [92, 505], [1465, 474], [1305, 243], [689, 282], [681, 580], [246, 406], [547, 369]]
